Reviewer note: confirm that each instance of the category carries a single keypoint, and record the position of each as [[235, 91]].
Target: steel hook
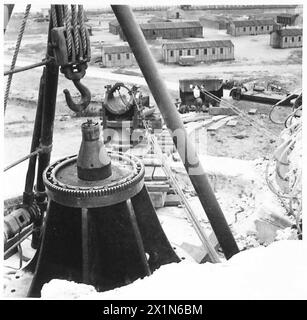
[[85, 97]]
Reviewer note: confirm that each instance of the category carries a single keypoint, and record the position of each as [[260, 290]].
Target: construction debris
[[252, 111], [232, 123], [214, 111], [219, 123], [240, 136]]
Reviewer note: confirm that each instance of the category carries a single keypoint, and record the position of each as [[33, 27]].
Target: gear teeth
[[54, 186]]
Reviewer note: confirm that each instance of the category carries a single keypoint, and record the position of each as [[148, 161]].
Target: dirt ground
[[254, 60], [240, 192]]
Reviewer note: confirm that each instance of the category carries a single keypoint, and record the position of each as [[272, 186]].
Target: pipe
[[29, 67], [146, 62], [51, 77], [28, 190], [28, 156], [48, 112]]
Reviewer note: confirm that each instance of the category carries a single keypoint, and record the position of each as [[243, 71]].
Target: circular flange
[[63, 185]]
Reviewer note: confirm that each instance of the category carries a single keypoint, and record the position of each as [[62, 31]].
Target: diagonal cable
[[17, 47]]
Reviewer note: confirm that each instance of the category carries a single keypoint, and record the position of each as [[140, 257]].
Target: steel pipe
[[48, 112], [51, 76], [29, 156], [28, 194], [146, 62], [29, 67]]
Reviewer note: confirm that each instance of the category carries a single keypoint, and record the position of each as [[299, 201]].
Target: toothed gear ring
[[64, 187]]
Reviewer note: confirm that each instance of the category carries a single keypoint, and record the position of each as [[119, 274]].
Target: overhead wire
[[186, 205], [243, 115], [292, 140], [278, 104]]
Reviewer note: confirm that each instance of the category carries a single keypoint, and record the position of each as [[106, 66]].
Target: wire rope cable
[[15, 55]]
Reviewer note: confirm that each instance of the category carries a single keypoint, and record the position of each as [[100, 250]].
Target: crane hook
[[85, 97]]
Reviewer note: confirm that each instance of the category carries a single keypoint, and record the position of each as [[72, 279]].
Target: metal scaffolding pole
[[48, 105], [174, 123]]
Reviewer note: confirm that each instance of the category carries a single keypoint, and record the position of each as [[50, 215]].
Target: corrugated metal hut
[[170, 30], [158, 19], [286, 19], [117, 56], [214, 22], [175, 13], [251, 27], [203, 51], [287, 38], [114, 27]]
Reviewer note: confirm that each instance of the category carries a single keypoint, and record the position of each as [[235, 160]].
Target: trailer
[[212, 85], [186, 60], [261, 96]]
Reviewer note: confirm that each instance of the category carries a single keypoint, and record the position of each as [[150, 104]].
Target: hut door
[[177, 15]]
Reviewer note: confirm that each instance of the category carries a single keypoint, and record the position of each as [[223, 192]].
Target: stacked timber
[[158, 184]]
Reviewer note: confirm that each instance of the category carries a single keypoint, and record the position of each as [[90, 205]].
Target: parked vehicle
[[187, 60]]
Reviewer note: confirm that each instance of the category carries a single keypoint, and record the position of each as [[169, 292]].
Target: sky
[[94, 4]]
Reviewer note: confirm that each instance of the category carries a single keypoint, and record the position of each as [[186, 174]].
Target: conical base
[[104, 247]]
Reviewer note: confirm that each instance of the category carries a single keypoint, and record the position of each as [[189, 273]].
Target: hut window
[[118, 56], [268, 28], [205, 51], [221, 51], [109, 57], [292, 39], [286, 39], [250, 28], [171, 53], [127, 56], [180, 52], [197, 52], [261, 27], [213, 50], [189, 52], [299, 38], [256, 28], [244, 29]]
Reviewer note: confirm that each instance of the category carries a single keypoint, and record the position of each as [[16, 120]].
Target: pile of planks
[[217, 122], [158, 185]]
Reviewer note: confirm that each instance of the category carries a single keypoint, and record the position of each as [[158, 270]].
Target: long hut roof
[[197, 44], [170, 25], [290, 32], [116, 49], [287, 15], [251, 23], [158, 19]]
